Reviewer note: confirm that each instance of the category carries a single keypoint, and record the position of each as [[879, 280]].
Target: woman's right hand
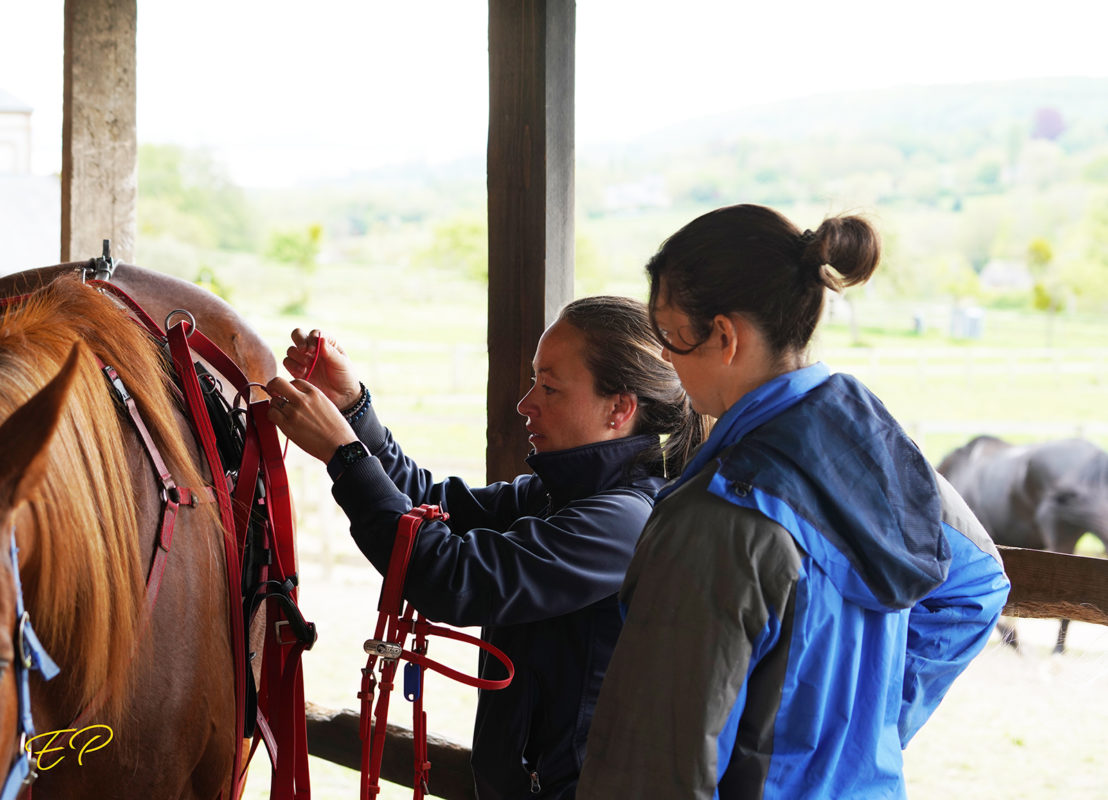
[[333, 373]]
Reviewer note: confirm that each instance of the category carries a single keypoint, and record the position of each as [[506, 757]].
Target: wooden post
[[99, 144], [530, 203]]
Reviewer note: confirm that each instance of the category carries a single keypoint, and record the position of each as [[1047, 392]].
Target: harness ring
[[239, 394], [187, 313]]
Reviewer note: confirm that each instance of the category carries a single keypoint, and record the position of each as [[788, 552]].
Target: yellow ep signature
[[83, 740]]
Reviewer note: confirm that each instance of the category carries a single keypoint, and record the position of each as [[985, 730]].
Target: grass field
[[1028, 726], [419, 337]]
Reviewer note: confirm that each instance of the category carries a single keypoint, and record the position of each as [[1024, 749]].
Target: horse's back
[[1041, 495], [964, 466], [160, 294]]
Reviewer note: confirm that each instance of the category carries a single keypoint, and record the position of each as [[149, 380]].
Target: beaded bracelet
[[356, 411]]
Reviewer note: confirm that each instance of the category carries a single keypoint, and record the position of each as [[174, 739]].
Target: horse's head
[[25, 438]]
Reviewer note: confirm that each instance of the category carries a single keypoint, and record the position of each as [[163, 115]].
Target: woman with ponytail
[[537, 561], [808, 587]]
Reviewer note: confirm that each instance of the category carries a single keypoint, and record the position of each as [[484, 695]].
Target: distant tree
[[957, 279], [1047, 292], [187, 195], [207, 279], [462, 244], [1096, 171], [459, 243], [1047, 124], [298, 248], [1085, 271]]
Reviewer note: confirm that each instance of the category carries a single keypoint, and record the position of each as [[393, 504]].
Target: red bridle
[[395, 621]]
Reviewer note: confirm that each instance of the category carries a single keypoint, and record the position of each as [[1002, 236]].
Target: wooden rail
[[1044, 585], [333, 736], [1056, 586]]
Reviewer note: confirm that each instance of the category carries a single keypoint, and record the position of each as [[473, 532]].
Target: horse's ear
[[26, 434]]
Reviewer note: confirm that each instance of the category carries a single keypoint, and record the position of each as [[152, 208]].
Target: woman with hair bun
[[808, 587]]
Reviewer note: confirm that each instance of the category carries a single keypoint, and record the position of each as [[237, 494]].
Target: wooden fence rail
[[1044, 585]]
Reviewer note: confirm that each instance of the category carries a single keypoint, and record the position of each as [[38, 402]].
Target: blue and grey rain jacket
[[799, 603]]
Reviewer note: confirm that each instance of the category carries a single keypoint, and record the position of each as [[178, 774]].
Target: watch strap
[[344, 456]]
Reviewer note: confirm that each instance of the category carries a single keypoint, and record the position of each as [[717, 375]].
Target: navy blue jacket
[[537, 563]]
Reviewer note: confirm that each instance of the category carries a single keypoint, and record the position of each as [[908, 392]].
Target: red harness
[[280, 721], [395, 620]]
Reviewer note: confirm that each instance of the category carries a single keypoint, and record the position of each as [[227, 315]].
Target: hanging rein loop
[[395, 621]]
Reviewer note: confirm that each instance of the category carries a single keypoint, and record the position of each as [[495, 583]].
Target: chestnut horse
[[146, 698]]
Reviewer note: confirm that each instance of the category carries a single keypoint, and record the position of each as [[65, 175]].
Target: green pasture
[[418, 334]]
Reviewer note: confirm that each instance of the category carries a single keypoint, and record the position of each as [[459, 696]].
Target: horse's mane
[[84, 574]]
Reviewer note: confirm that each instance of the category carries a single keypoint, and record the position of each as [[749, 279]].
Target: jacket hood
[[839, 473], [578, 472]]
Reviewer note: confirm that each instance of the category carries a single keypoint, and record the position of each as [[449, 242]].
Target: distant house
[[30, 205], [646, 193], [15, 135], [1005, 275]]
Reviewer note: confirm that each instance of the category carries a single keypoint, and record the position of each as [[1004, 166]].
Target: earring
[[612, 424]]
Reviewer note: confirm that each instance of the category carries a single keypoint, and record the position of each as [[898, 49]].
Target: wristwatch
[[344, 456]]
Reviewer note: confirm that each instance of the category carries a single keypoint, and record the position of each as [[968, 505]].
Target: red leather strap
[[173, 496], [202, 425], [282, 696], [395, 621], [461, 677]]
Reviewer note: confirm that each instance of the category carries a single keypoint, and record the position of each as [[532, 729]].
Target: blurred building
[[1006, 274], [30, 205]]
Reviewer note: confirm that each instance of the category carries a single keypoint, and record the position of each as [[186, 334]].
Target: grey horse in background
[[1042, 496]]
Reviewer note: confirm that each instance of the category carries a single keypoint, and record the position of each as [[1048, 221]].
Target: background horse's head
[[82, 571], [1074, 476]]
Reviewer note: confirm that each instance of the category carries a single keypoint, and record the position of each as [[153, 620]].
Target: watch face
[[355, 451]]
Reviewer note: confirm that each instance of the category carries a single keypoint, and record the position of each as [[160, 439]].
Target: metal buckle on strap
[[116, 383], [24, 651], [390, 651]]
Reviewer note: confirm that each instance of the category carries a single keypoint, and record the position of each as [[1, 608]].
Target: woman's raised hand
[[308, 417], [333, 372]]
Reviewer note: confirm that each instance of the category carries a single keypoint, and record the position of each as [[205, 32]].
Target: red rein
[[395, 621]]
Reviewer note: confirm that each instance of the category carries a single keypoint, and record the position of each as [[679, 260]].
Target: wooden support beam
[[99, 142], [1056, 586], [530, 203]]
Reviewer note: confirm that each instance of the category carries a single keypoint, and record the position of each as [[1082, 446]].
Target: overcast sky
[[286, 89]]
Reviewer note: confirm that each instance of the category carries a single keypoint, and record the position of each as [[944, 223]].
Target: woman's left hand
[[308, 417]]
